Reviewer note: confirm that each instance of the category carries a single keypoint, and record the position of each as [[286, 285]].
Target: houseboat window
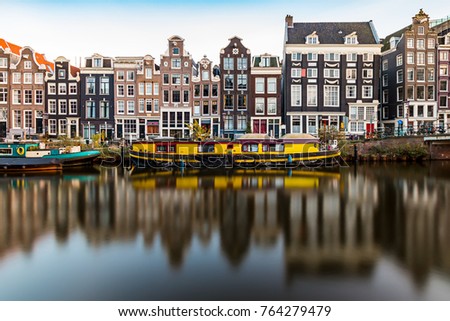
[[172, 148], [5, 151], [279, 147], [161, 148], [253, 147]]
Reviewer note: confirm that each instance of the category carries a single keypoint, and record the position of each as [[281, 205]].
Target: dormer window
[[312, 39], [351, 39], [421, 30], [98, 62], [176, 51], [27, 65]]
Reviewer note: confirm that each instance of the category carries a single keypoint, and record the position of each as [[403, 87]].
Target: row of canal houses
[[332, 75]]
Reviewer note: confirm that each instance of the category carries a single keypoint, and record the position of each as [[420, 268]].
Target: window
[[367, 91], [130, 106], [186, 96], [430, 91], [271, 106], [141, 88], [155, 88], [148, 88], [367, 73], [352, 57], [410, 58], [228, 64], [312, 39], [272, 85], [399, 60], [242, 102], [52, 126], [148, 105], [228, 122], [90, 85], [368, 57], [104, 86], [312, 73], [186, 79], [242, 63], [443, 101], [72, 89], [241, 122], [214, 107], [62, 126], [331, 96], [332, 56], [331, 73], [400, 111], [148, 73], [176, 79], [351, 40], [242, 82], [260, 84], [420, 74], [420, 92], [205, 110], [311, 95], [3, 62], [17, 96], [130, 75], [120, 107], [350, 73], [62, 89], [385, 80], [175, 51], [205, 75], [430, 58], [52, 106], [385, 65], [27, 64], [296, 72], [430, 74], [62, 107], [73, 107], [443, 85], [3, 95], [104, 109], [399, 76], [176, 98], [130, 90], [443, 55], [166, 79], [312, 124], [259, 106], [38, 97], [228, 101], [17, 78], [421, 58], [28, 96], [27, 78], [197, 108], [98, 62], [400, 94], [410, 93], [420, 111], [385, 96], [312, 56], [90, 109], [351, 92], [229, 82], [431, 43], [196, 90], [296, 97], [410, 74], [420, 43], [443, 70], [410, 43], [176, 63], [3, 77], [420, 30], [296, 56], [120, 75]]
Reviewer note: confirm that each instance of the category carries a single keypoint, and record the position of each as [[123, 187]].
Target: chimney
[[289, 21]]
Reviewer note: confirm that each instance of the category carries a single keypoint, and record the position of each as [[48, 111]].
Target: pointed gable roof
[[332, 32], [16, 50]]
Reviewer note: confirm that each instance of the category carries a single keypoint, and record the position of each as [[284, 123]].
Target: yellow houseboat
[[250, 150]]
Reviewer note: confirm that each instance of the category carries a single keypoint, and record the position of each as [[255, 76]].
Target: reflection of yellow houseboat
[[250, 150], [234, 179]]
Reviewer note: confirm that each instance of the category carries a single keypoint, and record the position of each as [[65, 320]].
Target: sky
[[79, 28]]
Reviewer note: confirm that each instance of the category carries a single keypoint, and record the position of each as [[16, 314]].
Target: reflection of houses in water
[[332, 228]]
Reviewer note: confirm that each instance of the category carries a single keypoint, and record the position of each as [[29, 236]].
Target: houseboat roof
[[253, 136], [299, 136]]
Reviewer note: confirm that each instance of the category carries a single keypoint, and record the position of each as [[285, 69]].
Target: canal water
[[372, 232]]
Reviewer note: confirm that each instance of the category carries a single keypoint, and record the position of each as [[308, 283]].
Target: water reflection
[[336, 224]]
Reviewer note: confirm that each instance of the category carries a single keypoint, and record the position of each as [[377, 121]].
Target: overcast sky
[[138, 27]]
